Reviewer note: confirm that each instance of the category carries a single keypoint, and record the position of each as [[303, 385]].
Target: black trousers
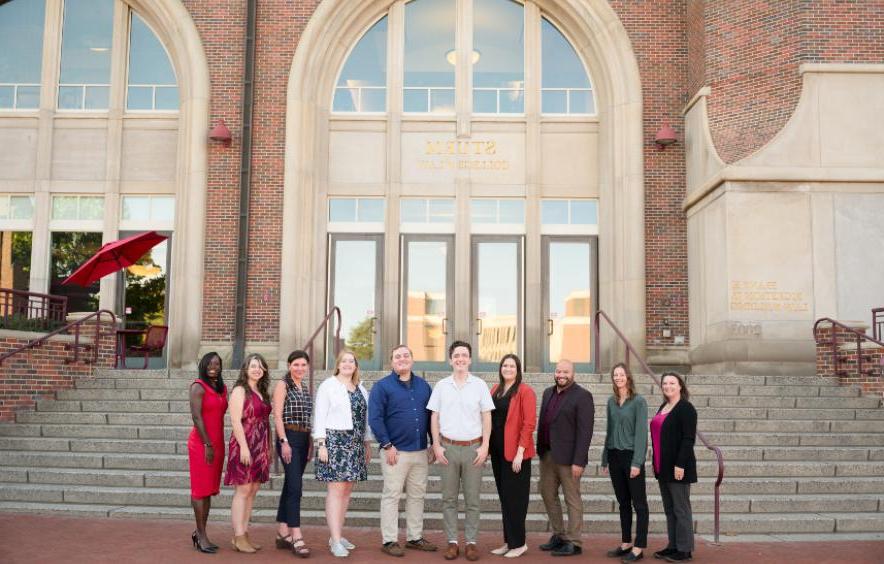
[[289, 511], [513, 490], [631, 494]]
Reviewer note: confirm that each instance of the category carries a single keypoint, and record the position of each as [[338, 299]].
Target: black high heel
[[197, 546]]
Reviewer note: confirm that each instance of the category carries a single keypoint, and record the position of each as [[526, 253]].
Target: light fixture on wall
[[451, 56], [665, 137], [667, 331], [221, 133]]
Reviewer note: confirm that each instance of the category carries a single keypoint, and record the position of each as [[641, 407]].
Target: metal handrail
[[32, 305], [630, 349], [76, 346], [308, 346], [834, 341]]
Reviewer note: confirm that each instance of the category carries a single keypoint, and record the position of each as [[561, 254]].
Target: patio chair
[[154, 341]]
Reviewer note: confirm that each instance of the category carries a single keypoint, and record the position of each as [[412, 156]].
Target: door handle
[[549, 327], [374, 329], [478, 326], [444, 325]]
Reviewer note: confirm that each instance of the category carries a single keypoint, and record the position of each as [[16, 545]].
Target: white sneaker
[[344, 542], [339, 550], [516, 552], [501, 551]]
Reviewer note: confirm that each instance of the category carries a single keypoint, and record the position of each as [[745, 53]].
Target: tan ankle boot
[[241, 544], [255, 545]]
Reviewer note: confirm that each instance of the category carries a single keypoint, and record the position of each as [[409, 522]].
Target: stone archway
[[599, 36], [173, 25]]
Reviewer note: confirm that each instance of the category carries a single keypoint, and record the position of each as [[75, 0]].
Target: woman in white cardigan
[[343, 443]]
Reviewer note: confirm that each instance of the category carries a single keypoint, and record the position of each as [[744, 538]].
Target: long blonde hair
[[355, 378]]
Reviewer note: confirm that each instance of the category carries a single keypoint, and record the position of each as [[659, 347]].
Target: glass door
[[355, 287], [569, 290], [143, 296], [427, 303], [497, 299]]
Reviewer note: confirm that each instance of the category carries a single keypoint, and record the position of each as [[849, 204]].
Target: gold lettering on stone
[[756, 295], [461, 155]]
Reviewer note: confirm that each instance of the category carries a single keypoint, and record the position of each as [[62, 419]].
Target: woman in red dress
[[205, 446], [248, 459]]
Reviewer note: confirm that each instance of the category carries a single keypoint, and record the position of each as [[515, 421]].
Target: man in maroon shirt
[[566, 419]]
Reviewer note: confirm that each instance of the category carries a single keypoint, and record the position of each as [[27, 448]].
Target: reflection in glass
[[554, 212], [149, 67], [362, 84], [21, 207], [85, 54], [342, 210], [441, 210], [426, 299], [371, 210], [69, 251], [91, 207], [566, 88], [21, 53], [145, 293], [483, 211], [584, 212], [64, 207], [497, 297], [499, 72], [570, 301], [354, 292], [136, 208], [162, 208], [15, 260], [429, 35], [412, 210]]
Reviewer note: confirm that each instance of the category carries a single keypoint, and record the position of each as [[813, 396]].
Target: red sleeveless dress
[[205, 479], [255, 426]]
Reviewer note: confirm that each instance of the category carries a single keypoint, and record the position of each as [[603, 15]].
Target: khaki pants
[[553, 476], [460, 470], [410, 474]]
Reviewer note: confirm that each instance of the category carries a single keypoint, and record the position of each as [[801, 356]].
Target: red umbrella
[[114, 256]]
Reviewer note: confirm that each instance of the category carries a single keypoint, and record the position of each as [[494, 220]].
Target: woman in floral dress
[[343, 448]]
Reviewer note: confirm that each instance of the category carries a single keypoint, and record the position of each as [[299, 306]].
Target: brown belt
[[462, 443], [297, 428]]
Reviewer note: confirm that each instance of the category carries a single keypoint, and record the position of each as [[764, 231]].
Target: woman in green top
[[626, 444]]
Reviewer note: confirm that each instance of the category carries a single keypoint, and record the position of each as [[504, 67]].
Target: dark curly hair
[[203, 371]]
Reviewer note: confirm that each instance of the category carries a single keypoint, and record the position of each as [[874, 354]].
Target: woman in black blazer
[[673, 432]]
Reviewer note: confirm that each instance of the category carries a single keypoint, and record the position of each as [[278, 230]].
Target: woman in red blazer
[[512, 447]]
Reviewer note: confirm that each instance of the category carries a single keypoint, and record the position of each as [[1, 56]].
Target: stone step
[[367, 501], [159, 445]]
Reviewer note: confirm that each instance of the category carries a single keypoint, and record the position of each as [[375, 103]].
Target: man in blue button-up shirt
[[398, 416]]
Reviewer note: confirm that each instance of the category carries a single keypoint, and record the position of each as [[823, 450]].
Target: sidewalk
[[36, 539]]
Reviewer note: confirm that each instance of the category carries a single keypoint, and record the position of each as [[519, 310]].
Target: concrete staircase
[[803, 456]]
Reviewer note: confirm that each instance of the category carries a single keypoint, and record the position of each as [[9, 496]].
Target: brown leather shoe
[[393, 549], [255, 545], [471, 552], [452, 551], [421, 544]]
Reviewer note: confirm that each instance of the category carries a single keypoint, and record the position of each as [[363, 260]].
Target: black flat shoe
[[679, 557], [567, 549], [618, 552], [632, 557], [553, 543], [662, 554]]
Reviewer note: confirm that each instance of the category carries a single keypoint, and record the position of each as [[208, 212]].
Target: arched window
[[498, 57], [21, 54], [497, 62], [151, 84], [565, 87], [362, 84]]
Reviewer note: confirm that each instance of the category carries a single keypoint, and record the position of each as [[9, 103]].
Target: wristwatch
[[386, 446], [284, 440]]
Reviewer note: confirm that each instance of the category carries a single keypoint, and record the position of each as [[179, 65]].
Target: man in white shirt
[[460, 424]]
